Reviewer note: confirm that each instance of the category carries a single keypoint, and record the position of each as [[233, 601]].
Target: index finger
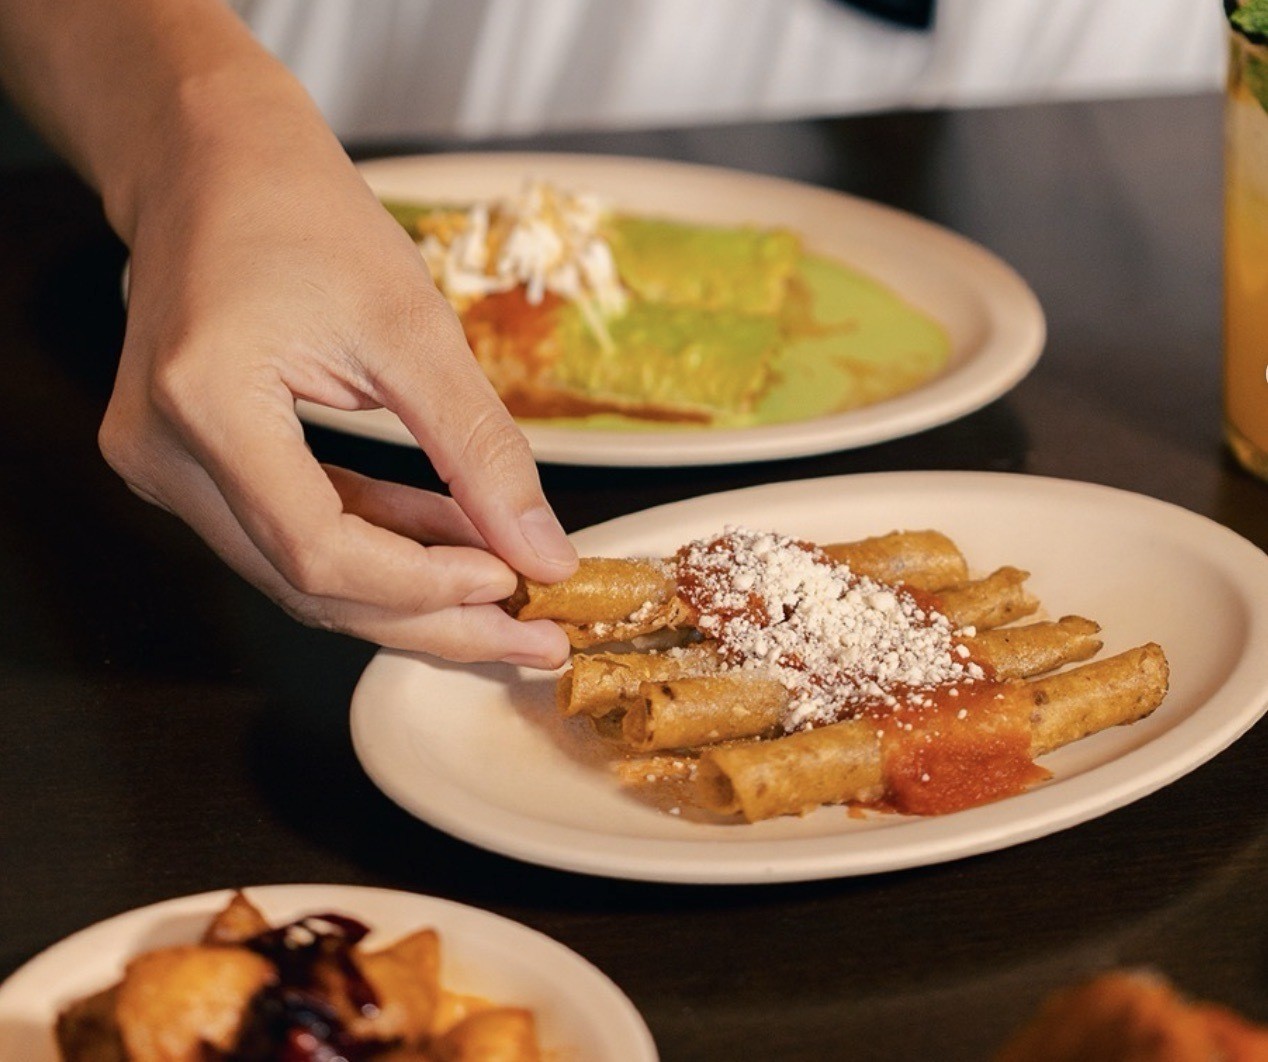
[[255, 454], [437, 388]]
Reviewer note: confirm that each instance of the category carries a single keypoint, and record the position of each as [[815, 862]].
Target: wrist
[[214, 129]]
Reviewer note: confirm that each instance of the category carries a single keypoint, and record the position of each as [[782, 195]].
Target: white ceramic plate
[[581, 1015], [479, 752], [994, 322]]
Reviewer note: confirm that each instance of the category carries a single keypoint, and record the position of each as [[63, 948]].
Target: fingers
[[210, 374], [455, 631], [465, 633], [382, 586], [434, 384], [418, 514], [253, 450]]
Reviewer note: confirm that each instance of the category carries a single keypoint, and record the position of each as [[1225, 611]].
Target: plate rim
[[1014, 342], [632, 1036], [1179, 750]]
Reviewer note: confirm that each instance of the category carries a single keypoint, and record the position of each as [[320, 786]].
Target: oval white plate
[[478, 751], [993, 319], [581, 1015]]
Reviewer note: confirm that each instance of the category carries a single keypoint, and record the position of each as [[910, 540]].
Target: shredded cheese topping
[[837, 641], [544, 238]]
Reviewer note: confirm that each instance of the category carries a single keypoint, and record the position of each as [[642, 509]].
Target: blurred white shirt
[[478, 68]]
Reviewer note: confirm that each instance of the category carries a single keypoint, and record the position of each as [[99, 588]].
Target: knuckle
[[131, 453], [309, 568], [117, 439], [417, 315], [175, 390], [495, 443], [311, 612]]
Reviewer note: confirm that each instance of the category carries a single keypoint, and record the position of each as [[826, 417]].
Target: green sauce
[[741, 269], [737, 323], [670, 356], [873, 346], [849, 342]]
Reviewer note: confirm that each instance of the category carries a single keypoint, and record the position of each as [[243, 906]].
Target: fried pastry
[[307, 990]]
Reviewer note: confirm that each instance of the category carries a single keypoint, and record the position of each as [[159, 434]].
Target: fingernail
[[543, 533]]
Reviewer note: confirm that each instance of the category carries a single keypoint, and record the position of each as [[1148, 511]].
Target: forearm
[[137, 93]]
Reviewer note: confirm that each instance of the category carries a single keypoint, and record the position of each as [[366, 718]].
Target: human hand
[[263, 270]]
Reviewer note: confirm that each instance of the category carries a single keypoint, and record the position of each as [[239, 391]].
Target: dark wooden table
[[164, 730]]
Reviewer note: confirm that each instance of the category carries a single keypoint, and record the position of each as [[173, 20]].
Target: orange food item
[[799, 681], [1128, 1016], [1246, 260], [304, 992]]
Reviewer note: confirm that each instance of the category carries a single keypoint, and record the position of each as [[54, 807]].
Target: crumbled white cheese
[[837, 641], [544, 238]]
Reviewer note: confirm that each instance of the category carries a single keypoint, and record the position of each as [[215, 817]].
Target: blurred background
[[397, 70], [394, 69]]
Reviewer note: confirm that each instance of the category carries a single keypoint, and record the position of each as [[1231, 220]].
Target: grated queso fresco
[[545, 238], [837, 641]]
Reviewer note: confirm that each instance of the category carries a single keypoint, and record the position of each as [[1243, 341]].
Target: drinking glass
[[1246, 241]]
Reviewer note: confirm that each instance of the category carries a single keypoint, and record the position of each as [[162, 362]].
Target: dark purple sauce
[[292, 1020]]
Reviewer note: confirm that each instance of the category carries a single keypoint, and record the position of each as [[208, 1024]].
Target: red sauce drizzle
[[510, 314], [699, 596], [505, 327], [945, 763]]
